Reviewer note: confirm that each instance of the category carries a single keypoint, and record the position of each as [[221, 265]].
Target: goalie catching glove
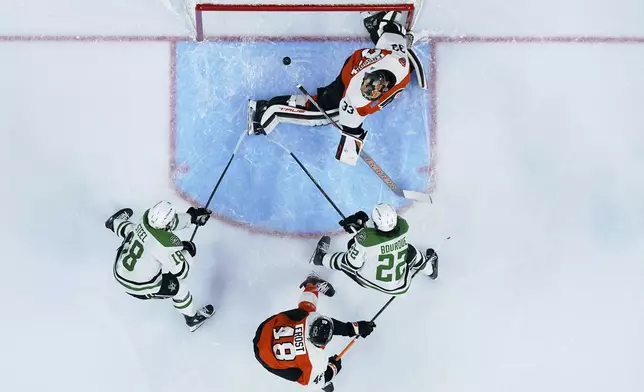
[[354, 223], [199, 216]]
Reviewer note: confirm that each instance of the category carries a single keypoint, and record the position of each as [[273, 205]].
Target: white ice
[[539, 184]]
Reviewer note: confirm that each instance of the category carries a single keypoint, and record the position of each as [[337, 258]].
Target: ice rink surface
[[539, 182], [267, 191]]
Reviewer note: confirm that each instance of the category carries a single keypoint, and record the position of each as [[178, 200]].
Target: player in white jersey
[[378, 257], [369, 80], [153, 263]]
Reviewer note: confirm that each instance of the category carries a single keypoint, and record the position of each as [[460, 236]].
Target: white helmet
[[384, 217], [162, 215]]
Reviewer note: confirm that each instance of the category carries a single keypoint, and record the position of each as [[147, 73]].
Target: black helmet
[[321, 331], [377, 83]]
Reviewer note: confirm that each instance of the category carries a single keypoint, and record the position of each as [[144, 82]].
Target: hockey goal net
[[291, 19]]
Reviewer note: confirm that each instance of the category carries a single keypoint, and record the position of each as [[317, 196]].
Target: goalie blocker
[[369, 80]]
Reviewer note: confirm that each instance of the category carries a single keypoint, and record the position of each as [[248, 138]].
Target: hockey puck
[[286, 60]]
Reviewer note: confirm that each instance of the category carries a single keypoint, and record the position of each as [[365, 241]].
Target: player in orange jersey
[[291, 344], [369, 80]]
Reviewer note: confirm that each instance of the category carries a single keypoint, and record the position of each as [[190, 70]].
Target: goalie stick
[[412, 195]]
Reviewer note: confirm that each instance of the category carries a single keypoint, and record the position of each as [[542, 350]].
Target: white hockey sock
[[183, 302], [332, 260]]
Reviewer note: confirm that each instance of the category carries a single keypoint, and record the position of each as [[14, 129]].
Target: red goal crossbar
[[199, 8]]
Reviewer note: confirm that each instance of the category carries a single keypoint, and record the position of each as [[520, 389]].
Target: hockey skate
[[255, 111], [432, 258], [323, 286], [123, 213], [321, 250], [329, 387], [199, 318]]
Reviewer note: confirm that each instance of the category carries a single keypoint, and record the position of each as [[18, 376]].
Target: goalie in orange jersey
[[291, 344], [369, 80]]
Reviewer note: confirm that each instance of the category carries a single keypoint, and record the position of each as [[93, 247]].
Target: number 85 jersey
[[281, 346]]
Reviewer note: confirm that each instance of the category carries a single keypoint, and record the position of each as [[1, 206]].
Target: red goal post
[[201, 7]]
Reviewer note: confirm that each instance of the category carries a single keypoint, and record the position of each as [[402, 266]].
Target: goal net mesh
[[287, 18]]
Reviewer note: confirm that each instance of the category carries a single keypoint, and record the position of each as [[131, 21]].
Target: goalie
[[369, 80]]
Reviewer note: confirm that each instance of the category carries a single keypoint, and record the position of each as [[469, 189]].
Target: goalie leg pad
[[276, 114], [380, 22], [417, 66]]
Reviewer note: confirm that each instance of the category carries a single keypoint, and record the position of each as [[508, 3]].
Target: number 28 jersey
[[281, 346]]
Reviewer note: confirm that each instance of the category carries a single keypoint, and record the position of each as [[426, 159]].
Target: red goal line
[[199, 8]]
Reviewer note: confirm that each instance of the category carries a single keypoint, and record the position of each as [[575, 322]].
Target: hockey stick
[[355, 338], [221, 177], [326, 196], [412, 195]]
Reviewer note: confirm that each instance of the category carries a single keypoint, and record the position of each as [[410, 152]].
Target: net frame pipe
[[199, 8]]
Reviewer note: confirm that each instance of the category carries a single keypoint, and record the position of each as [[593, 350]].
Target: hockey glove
[[334, 367], [190, 247], [363, 328], [199, 216], [354, 223]]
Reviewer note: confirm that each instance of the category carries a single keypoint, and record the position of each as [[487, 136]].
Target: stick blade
[[418, 196]]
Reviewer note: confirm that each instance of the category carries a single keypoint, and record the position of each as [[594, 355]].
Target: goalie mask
[[377, 83]]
